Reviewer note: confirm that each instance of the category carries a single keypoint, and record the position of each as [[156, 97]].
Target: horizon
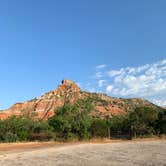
[[112, 47]]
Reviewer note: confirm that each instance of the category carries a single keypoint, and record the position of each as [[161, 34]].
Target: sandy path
[[144, 153]]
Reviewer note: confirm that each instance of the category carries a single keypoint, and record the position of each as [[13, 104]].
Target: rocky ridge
[[68, 92]]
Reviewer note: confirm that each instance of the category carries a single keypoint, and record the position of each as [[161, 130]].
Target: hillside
[[68, 92]]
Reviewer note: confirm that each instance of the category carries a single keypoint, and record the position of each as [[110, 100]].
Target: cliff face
[[68, 92]]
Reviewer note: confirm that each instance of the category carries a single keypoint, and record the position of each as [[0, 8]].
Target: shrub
[[142, 121], [10, 137], [40, 137], [21, 129], [74, 122], [99, 128], [71, 121], [160, 123]]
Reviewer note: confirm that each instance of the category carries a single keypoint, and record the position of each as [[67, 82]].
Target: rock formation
[[68, 92]]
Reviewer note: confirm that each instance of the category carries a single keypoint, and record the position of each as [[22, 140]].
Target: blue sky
[[45, 41]]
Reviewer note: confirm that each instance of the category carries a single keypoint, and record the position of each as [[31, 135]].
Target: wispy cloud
[[101, 66], [99, 74], [145, 80], [109, 88], [101, 83], [148, 81], [159, 102], [113, 73]]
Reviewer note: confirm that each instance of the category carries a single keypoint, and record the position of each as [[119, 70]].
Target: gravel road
[[141, 153]]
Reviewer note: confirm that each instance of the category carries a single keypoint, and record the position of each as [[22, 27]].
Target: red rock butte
[[45, 106]]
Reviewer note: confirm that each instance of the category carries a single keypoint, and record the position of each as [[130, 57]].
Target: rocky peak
[[67, 82], [67, 86]]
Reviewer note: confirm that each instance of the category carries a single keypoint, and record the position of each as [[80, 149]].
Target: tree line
[[74, 122]]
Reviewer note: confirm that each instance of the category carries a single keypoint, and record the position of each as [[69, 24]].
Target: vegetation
[[74, 122], [23, 129], [99, 128]]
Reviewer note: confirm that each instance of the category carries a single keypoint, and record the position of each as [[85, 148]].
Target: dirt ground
[[114, 153]]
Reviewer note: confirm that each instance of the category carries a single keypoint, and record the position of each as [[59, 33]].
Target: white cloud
[[109, 88], [159, 102], [101, 83], [101, 66], [99, 75], [147, 81], [113, 73]]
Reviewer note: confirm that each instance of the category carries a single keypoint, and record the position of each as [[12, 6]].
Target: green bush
[[10, 137], [142, 121], [40, 137], [21, 128], [99, 128], [160, 123], [74, 122]]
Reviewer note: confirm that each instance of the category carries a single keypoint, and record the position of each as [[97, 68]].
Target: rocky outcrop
[[68, 92], [45, 106]]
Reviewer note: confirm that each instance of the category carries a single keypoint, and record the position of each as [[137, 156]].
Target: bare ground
[[118, 153]]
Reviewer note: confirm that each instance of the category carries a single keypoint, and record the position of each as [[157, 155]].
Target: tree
[[17, 128], [72, 120], [99, 128], [160, 123], [142, 121]]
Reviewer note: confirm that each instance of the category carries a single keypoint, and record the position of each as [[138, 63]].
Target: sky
[[111, 46]]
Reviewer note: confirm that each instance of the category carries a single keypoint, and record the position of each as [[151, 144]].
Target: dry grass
[[22, 146]]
